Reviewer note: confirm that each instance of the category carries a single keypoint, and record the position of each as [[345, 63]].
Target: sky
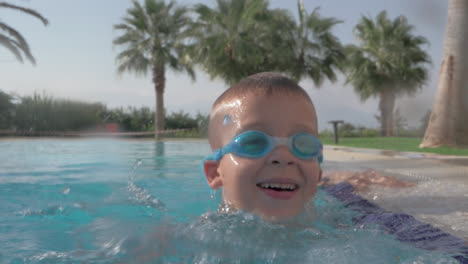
[[76, 59]]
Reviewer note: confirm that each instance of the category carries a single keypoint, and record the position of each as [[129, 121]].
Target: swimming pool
[[139, 201]]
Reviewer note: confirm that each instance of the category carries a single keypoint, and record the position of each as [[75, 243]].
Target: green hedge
[[45, 113]]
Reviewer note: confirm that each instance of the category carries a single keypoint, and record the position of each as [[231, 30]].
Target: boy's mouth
[[281, 191], [280, 187]]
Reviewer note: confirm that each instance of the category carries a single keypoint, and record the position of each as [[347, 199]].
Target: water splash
[[213, 194], [49, 211], [135, 167], [66, 190], [141, 196], [138, 163]]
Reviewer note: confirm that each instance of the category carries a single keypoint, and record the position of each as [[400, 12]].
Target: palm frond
[[133, 61], [9, 44], [25, 10], [13, 40], [17, 40], [318, 52]]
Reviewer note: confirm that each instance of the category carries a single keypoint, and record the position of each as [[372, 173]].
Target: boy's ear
[[210, 167]]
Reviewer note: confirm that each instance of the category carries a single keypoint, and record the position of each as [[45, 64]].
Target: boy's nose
[[281, 156]]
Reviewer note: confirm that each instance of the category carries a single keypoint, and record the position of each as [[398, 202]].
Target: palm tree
[[153, 39], [317, 53], [12, 40], [238, 38], [388, 62], [448, 123]]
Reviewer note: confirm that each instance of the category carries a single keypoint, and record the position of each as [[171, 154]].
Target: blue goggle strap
[[217, 155], [320, 156]]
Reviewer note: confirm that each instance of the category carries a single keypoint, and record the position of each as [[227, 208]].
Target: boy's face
[[241, 178]]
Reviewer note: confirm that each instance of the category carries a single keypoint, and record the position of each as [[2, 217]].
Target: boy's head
[[272, 180]]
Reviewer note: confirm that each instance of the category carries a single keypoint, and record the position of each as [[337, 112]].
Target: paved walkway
[[440, 196]]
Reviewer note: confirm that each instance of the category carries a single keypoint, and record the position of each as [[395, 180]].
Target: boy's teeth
[[283, 186]]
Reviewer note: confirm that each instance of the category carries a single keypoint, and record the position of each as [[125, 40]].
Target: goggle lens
[[256, 144], [305, 145], [253, 144]]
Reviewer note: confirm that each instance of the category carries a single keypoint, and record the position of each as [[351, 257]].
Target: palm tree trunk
[[448, 124], [159, 80], [386, 105]]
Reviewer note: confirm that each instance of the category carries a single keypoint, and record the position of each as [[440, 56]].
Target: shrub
[[181, 120], [326, 134], [202, 124], [369, 132], [130, 119], [7, 110], [45, 113], [347, 130]]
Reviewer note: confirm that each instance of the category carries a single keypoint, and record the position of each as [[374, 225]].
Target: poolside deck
[[440, 196]]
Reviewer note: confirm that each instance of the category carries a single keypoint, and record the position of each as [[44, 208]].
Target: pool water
[[139, 201]]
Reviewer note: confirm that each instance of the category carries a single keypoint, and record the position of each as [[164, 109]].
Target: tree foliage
[[388, 57], [180, 120], [130, 119], [152, 35], [237, 38], [7, 110], [12, 39], [317, 52], [46, 113]]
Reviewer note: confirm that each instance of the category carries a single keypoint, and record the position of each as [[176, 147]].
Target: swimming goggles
[[256, 144]]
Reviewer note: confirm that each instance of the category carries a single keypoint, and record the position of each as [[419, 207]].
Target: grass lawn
[[405, 144]]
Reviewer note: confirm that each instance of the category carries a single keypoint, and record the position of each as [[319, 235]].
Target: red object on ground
[[112, 127]]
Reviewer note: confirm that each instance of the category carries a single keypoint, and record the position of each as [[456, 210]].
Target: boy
[[263, 132]]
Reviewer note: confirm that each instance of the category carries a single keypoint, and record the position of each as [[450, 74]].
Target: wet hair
[[260, 84], [263, 84]]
